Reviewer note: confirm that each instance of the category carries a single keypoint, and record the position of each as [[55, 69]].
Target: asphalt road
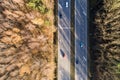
[[64, 39], [81, 40]]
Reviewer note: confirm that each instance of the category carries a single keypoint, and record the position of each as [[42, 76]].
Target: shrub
[[47, 22], [37, 5]]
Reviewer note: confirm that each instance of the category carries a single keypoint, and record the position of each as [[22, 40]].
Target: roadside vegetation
[[26, 40], [105, 39], [37, 5]]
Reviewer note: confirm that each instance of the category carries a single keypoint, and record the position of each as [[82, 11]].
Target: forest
[[104, 38], [26, 40]]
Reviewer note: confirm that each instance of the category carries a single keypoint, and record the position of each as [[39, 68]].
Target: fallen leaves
[[6, 40], [11, 67], [19, 13], [23, 41], [18, 1], [24, 69], [33, 45], [15, 39], [11, 37], [8, 33], [37, 21], [14, 73], [8, 13], [16, 30], [30, 27]]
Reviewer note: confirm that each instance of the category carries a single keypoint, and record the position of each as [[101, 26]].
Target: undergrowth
[[37, 5]]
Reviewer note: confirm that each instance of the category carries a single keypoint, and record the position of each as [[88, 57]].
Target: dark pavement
[[81, 39], [64, 39]]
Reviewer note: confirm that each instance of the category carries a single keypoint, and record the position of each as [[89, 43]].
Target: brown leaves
[[22, 41], [37, 21], [8, 13], [6, 40], [19, 2], [30, 26], [11, 67], [15, 39], [24, 69], [34, 45], [16, 30], [8, 33], [14, 73], [11, 37], [20, 13], [30, 16]]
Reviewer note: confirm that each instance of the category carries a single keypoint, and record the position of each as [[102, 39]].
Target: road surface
[[64, 39], [81, 39]]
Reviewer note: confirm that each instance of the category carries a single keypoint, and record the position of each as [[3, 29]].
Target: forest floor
[[26, 40], [104, 39]]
